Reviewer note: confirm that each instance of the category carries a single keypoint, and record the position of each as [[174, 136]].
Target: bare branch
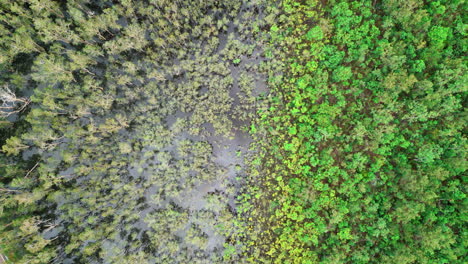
[[31, 170], [9, 190], [10, 103]]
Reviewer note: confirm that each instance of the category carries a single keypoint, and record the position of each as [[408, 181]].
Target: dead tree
[[10, 103]]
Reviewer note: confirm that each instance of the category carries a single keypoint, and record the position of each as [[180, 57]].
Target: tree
[[14, 146]]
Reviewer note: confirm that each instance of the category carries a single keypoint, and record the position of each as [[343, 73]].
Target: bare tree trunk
[[10, 104]]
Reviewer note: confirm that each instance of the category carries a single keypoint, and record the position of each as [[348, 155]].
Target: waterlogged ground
[[124, 126], [167, 182]]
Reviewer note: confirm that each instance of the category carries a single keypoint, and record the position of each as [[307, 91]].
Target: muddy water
[[147, 168], [228, 153]]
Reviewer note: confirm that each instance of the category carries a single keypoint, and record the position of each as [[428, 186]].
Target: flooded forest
[[238, 131]]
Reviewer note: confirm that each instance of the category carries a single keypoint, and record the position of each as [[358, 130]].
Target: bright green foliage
[[438, 36], [315, 34], [363, 151]]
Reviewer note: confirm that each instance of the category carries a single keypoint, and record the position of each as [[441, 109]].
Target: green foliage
[[315, 34], [358, 142], [13, 146], [342, 74], [113, 116], [438, 36]]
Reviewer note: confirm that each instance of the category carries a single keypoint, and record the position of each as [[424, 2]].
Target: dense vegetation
[[366, 126], [294, 131]]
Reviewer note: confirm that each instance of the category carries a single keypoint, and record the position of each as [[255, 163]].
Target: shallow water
[[198, 183]]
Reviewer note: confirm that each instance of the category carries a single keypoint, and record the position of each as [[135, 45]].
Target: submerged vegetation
[[233, 131], [118, 119]]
